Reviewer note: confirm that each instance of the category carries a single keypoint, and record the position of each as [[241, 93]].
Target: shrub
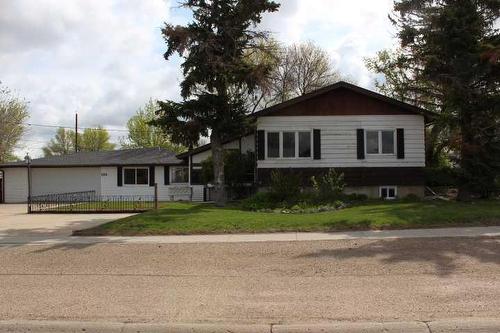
[[411, 197], [285, 187], [259, 201], [441, 176], [238, 172], [328, 187], [357, 197]]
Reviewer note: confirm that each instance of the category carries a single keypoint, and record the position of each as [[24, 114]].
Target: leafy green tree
[[62, 144], [402, 83], [217, 74], [95, 139], [142, 134], [454, 45], [13, 114]]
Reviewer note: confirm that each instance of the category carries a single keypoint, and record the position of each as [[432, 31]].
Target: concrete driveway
[[15, 222]]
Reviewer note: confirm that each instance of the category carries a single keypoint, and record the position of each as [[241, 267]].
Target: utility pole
[[76, 132]]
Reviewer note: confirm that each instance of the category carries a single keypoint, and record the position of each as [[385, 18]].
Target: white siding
[[109, 186], [247, 144], [338, 140], [16, 185], [64, 180]]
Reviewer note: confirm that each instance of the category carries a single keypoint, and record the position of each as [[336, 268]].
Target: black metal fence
[[91, 202]]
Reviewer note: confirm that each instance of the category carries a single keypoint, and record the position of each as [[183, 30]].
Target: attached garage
[[107, 173]]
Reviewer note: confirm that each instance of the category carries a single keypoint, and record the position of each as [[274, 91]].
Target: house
[[108, 173], [376, 141]]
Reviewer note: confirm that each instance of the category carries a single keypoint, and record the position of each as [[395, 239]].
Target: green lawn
[[190, 218]]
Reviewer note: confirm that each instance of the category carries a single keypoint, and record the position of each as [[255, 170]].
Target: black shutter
[[360, 138], [152, 175], [119, 176], [316, 144], [400, 139], [166, 175], [261, 145]]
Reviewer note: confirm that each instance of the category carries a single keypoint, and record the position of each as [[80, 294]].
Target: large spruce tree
[[217, 74], [454, 45]]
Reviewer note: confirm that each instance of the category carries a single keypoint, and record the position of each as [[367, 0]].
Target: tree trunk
[[464, 193], [218, 162]]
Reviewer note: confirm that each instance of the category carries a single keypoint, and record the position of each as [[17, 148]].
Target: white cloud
[[103, 58], [349, 30]]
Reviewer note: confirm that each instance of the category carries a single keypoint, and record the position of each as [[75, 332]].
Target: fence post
[[156, 195]]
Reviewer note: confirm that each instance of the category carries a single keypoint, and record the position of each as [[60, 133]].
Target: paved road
[[268, 282]]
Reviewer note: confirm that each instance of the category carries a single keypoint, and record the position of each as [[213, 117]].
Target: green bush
[[356, 197], [328, 187], [411, 197], [441, 176], [238, 172], [285, 187], [259, 201]]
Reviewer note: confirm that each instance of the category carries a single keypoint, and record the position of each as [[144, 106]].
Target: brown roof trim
[[342, 84]]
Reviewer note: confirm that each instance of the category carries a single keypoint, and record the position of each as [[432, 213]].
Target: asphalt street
[[263, 282]]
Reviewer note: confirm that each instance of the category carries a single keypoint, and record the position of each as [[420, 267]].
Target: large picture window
[[288, 144], [380, 142], [136, 176], [179, 175]]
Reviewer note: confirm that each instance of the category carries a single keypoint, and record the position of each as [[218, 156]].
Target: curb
[[486, 325]]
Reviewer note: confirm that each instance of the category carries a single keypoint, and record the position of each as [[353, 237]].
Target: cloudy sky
[[103, 58]]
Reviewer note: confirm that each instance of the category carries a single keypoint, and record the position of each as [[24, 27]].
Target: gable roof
[[402, 106], [140, 156]]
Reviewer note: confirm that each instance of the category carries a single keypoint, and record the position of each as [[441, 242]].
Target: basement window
[[388, 192]]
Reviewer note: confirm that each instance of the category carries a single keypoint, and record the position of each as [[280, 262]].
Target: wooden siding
[[338, 140], [408, 176], [341, 101]]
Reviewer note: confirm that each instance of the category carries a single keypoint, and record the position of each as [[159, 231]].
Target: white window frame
[[380, 141], [296, 157], [172, 173], [388, 187], [134, 168]]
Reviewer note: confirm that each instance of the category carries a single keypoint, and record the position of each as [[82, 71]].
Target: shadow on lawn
[[444, 253]]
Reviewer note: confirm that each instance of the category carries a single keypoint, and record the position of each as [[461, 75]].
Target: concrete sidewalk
[[264, 237], [485, 325]]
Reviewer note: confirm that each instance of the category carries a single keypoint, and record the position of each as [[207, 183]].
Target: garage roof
[[141, 156]]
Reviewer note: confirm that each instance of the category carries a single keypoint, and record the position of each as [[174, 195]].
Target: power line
[[72, 127]]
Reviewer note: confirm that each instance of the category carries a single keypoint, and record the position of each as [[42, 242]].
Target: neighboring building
[[376, 141], [117, 172]]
